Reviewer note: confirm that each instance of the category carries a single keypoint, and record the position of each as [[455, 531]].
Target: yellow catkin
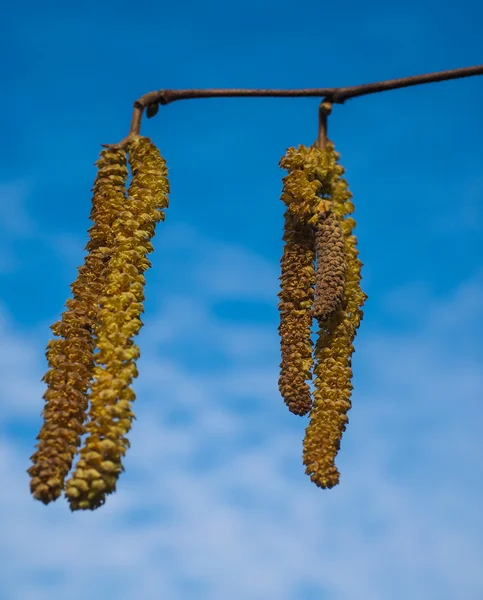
[[70, 357], [121, 305], [296, 296], [303, 188], [334, 348], [303, 194]]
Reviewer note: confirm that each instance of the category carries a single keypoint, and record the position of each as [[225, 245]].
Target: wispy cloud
[[214, 502]]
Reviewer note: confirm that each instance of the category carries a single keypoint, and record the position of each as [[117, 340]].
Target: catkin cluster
[[320, 279], [301, 196], [92, 365]]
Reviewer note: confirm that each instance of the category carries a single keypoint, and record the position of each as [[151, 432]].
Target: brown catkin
[[120, 308], [301, 195], [333, 350], [296, 296], [331, 267], [304, 194], [70, 357]]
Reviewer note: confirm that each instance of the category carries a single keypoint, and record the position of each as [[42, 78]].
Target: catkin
[[300, 195], [120, 308], [309, 227], [70, 357], [334, 348], [296, 296], [331, 267], [303, 187]]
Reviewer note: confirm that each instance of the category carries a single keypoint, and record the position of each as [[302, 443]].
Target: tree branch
[[151, 100]]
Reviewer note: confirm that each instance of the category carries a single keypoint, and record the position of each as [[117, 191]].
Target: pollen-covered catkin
[[300, 194], [121, 305], [304, 193], [296, 296], [333, 351], [70, 357], [331, 267], [303, 187]]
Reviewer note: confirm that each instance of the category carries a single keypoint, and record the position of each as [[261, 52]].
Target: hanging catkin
[[296, 296], [70, 357], [297, 278], [121, 305], [333, 349], [308, 223], [331, 267]]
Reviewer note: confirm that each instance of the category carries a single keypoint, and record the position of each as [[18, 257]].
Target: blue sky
[[214, 503]]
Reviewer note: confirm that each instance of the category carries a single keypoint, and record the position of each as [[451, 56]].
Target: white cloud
[[20, 370], [216, 269], [214, 502]]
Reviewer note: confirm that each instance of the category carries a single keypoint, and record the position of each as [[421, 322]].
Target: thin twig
[[325, 109], [334, 95]]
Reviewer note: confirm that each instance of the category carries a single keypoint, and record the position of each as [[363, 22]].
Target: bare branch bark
[[333, 95], [325, 109]]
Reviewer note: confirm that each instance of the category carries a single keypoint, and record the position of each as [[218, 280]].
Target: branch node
[[123, 144], [164, 97]]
